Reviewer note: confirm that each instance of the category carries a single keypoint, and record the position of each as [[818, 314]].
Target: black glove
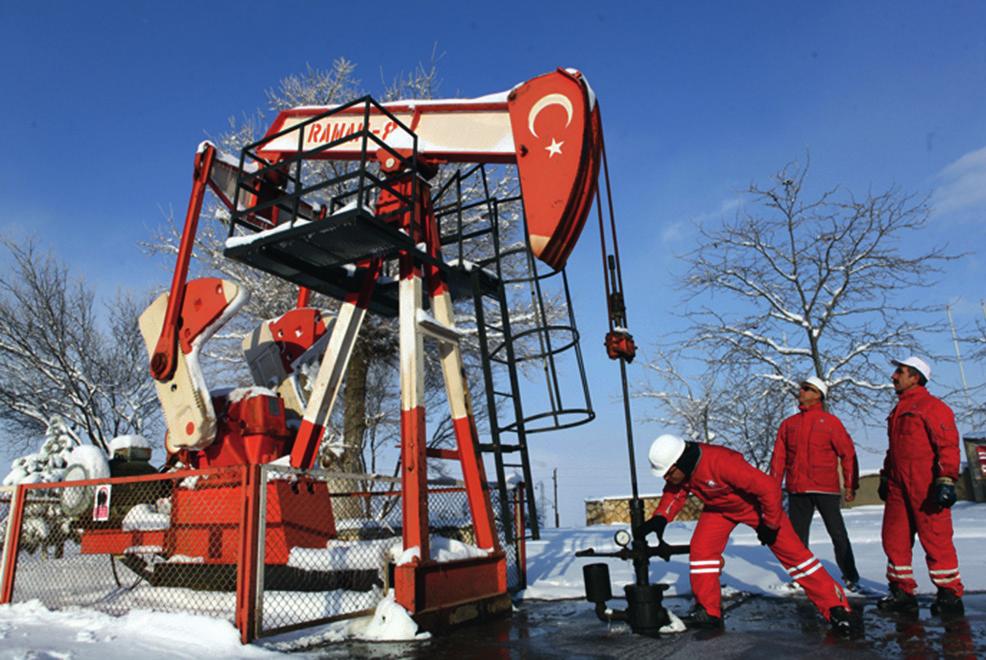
[[766, 535], [881, 490], [664, 551], [655, 525], [945, 492]]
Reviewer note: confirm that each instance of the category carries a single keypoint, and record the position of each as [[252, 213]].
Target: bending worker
[[918, 484], [809, 449], [733, 492]]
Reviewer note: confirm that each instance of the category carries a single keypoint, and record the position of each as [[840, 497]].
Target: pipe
[[606, 615]]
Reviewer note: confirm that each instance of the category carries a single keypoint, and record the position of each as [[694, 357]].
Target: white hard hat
[[665, 452], [818, 384], [916, 363]]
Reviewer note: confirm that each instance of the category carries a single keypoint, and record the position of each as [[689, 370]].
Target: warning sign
[[101, 503]]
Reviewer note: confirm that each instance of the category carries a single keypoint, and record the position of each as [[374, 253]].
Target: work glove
[[766, 535], [945, 492], [882, 488], [655, 525]]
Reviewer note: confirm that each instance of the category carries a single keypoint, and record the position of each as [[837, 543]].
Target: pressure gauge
[[622, 538]]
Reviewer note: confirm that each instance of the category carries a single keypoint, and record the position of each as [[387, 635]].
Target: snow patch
[[392, 623], [145, 518], [407, 556], [89, 635], [442, 549], [241, 393], [676, 625]]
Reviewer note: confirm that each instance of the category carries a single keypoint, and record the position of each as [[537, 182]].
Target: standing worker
[[810, 447], [733, 492], [918, 484]]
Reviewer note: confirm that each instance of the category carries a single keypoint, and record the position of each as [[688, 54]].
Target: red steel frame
[[422, 585]]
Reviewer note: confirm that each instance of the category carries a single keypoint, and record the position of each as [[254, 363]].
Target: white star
[[554, 148]]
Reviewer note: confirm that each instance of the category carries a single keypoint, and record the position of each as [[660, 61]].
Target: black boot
[[947, 603], [841, 621], [699, 618], [898, 601]]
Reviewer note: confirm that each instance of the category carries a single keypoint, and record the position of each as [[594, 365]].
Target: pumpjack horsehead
[[548, 127]]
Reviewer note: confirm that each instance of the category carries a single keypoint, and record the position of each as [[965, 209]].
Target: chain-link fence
[[326, 553], [164, 542], [186, 541], [308, 579]]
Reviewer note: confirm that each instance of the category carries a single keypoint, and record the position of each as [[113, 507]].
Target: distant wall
[[616, 510], [867, 489]]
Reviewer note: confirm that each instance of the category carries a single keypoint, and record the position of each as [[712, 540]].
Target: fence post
[[261, 546], [246, 570], [11, 545], [520, 538]]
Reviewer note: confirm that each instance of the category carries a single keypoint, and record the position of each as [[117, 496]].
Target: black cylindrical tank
[[597, 585]]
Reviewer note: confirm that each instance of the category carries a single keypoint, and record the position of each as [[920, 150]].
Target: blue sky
[[104, 104]]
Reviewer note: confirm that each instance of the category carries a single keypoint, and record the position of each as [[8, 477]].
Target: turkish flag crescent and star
[[557, 160]]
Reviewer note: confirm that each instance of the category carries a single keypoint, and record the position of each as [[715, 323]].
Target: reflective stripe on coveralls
[[729, 487], [923, 445]]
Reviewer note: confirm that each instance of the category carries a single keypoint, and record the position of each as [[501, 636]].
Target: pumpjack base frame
[[445, 594], [485, 609]]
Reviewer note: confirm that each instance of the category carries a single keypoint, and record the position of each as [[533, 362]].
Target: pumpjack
[[372, 232]]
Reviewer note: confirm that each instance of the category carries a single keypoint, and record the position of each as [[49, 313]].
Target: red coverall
[[808, 450], [733, 492], [923, 445]]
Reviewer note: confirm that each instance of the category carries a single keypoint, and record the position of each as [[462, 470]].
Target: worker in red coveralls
[[810, 447], [733, 492], [918, 484]]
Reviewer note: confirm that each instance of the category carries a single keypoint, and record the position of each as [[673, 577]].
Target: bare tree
[[715, 404], [58, 356], [794, 286], [971, 406]]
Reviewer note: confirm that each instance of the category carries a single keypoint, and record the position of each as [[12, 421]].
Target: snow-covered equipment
[[337, 243], [84, 463], [377, 234], [129, 456]]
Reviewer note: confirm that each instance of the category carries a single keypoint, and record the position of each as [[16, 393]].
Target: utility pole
[[542, 506], [554, 478], [958, 354]]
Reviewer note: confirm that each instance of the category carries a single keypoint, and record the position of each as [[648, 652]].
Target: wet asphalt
[[756, 627]]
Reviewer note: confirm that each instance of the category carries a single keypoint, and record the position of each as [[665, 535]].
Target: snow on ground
[[30, 630], [553, 571]]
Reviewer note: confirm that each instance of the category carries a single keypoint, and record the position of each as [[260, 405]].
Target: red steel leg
[[414, 466], [12, 546]]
